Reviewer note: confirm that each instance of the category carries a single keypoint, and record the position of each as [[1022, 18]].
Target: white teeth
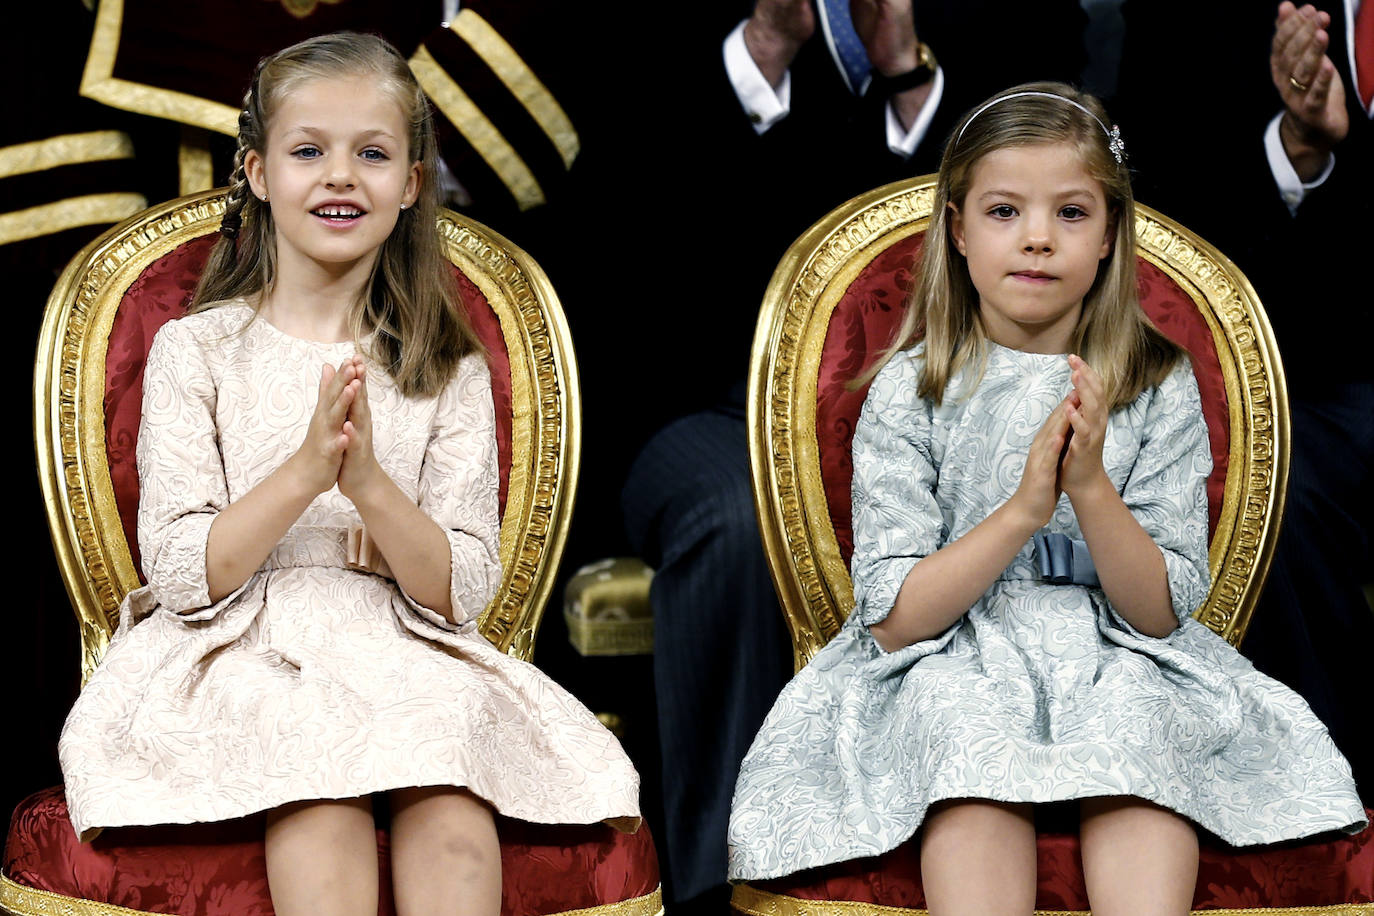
[[338, 212]]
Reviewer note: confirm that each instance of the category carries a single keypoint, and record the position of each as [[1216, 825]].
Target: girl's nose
[[340, 178], [1038, 233], [1038, 240]]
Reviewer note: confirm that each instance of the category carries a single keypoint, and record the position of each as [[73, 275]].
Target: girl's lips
[[1033, 276]]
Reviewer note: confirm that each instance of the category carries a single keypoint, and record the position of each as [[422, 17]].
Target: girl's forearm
[[1128, 561], [248, 529], [415, 547], [942, 587]]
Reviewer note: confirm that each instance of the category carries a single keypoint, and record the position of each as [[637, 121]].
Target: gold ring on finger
[[1293, 81]]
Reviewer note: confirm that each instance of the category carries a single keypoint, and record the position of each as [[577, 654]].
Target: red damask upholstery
[[866, 318], [219, 869]]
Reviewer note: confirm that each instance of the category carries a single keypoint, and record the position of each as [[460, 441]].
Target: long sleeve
[[181, 473], [896, 518], [458, 489], [1167, 488]]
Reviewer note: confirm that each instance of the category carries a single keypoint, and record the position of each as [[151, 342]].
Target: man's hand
[[775, 33], [888, 30], [1314, 117]]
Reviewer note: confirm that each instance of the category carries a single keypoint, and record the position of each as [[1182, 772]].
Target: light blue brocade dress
[[1040, 692]]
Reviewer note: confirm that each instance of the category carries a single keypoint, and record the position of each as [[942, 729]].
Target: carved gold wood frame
[[69, 418], [803, 553], [18, 900], [754, 902]]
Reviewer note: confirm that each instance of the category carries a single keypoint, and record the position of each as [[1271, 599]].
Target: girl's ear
[[1109, 237], [956, 228], [256, 172], [412, 191]]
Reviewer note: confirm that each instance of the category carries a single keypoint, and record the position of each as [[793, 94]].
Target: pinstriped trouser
[[721, 651]]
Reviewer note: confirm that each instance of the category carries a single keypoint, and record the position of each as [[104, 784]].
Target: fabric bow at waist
[[1063, 560], [328, 545]]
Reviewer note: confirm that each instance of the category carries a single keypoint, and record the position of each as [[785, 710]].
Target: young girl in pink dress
[[326, 389]]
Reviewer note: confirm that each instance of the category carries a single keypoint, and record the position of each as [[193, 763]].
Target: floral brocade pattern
[[313, 680], [1040, 692]]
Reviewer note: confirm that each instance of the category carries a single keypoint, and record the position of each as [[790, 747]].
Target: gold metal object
[[804, 557], [755, 902], [69, 417], [1293, 81], [606, 607], [18, 900]]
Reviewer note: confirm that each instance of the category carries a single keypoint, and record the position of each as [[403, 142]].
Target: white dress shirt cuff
[[764, 106], [903, 142], [1291, 188]]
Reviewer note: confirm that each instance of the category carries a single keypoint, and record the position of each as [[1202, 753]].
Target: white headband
[[1114, 141]]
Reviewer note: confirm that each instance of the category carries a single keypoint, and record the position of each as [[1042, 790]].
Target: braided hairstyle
[[408, 317]]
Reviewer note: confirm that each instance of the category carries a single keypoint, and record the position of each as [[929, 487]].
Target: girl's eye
[[374, 155], [1072, 212], [1002, 211], [306, 152]]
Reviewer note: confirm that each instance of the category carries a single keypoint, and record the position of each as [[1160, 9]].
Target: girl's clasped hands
[[338, 442], [1066, 454]]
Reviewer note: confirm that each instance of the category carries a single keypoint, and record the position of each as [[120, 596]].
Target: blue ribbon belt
[[1063, 560]]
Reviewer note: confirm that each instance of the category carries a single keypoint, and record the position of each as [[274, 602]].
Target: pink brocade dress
[[315, 680]]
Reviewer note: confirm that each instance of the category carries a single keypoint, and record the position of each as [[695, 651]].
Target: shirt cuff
[[764, 106], [904, 142], [1291, 188]]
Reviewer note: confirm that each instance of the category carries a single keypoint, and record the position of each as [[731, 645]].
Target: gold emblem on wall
[[302, 8]]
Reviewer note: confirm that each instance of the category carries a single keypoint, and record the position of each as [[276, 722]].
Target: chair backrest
[[100, 321], [833, 305]]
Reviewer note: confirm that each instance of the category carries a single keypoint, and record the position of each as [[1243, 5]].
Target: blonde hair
[[409, 317], [1113, 334]]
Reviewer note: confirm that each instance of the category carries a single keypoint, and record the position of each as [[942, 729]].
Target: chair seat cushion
[[220, 868], [1328, 871]]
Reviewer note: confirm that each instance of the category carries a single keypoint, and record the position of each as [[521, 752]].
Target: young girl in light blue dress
[[1027, 395]]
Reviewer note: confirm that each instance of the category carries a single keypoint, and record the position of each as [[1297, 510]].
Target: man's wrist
[[918, 71], [1301, 140], [771, 50]]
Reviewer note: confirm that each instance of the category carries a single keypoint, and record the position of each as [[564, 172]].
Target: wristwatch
[[924, 72]]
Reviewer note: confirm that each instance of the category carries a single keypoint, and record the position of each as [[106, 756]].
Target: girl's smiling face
[[1033, 228], [336, 170]]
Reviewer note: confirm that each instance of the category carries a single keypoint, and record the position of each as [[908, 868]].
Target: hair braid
[[238, 178]]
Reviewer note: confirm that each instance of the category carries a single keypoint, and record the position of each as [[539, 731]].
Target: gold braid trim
[[476, 128], [88, 210], [66, 149], [754, 902], [18, 900], [521, 81], [195, 168], [98, 82]]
